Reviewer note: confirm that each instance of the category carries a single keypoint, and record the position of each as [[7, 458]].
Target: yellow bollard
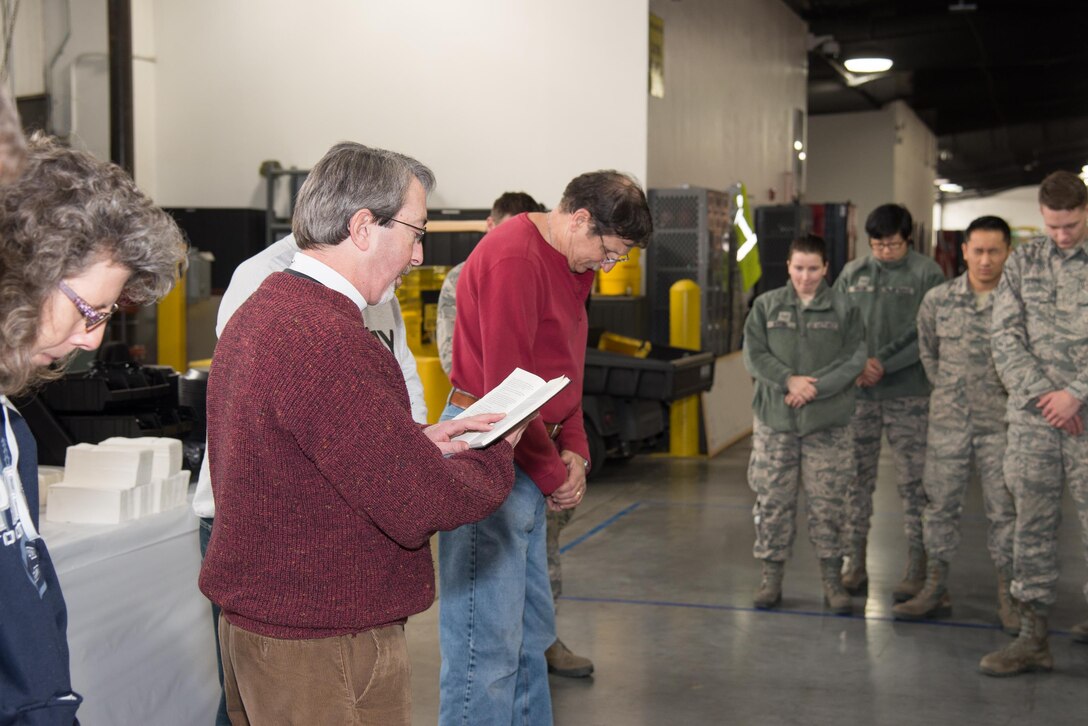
[[171, 333], [436, 386], [685, 325], [624, 279]]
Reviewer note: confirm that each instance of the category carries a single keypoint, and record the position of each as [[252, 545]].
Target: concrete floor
[[658, 581]]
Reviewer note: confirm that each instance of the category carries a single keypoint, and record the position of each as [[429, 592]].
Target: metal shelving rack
[[278, 180], [692, 234]]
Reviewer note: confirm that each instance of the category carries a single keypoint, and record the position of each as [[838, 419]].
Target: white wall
[[1019, 207], [79, 80], [871, 158], [914, 165], [60, 48], [850, 159], [734, 73], [492, 94], [27, 57], [144, 97]]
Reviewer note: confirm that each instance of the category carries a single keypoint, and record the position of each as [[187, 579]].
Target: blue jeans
[[221, 718], [496, 616]]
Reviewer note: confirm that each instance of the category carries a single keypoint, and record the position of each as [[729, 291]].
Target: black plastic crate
[[110, 387], [96, 429], [666, 374]]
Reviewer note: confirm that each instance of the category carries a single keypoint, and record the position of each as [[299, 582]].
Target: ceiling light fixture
[[951, 188], [868, 65]]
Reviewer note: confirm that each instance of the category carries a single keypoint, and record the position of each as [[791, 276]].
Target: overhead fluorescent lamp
[[868, 65], [951, 188]]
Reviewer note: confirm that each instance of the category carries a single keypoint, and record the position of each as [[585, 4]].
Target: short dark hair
[[811, 244], [992, 224], [1062, 191], [889, 219], [615, 202], [511, 203]]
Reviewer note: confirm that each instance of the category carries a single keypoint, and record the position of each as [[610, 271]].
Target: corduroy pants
[[363, 678]]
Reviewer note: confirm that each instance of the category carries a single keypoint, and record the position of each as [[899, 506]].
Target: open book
[[519, 397]]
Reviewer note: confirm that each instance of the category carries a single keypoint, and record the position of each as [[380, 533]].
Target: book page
[[519, 396], [514, 389]]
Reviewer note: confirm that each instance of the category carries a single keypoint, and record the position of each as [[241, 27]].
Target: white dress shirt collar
[[330, 278]]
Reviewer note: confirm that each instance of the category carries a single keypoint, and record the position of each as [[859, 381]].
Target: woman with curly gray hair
[[76, 235]]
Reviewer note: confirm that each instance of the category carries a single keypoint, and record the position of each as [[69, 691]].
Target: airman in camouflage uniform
[[506, 206], [893, 394], [561, 660], [1040, 344], [804, 346], [556, 522], [445, 317], [966, 420]]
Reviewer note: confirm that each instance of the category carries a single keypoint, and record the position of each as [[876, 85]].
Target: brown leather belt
[[463, 399]]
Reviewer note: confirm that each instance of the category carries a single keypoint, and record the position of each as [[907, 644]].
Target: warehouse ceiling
[[1002, 83]]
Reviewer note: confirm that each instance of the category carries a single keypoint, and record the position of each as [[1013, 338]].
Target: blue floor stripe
[[665, 503], [606, 523], [780, 611]]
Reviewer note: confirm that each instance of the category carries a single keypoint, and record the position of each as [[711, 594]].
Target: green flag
[[744, 232]]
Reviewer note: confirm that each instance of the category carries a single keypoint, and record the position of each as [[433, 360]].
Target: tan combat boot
[[1029, 652], [769, 594], [915, 576], [836, 598], [562, 662], [1006, 609], [1080, 632], [855, 580], [932, 601]]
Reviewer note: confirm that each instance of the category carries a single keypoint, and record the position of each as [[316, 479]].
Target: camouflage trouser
[[556, 522], [949, 451], [1038, 460], [904, 420], [823, 464]]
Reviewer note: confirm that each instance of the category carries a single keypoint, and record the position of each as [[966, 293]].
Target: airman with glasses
[[887, 287]]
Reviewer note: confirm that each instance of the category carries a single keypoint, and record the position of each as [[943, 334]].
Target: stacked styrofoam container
[[118, 480], [47, 477]]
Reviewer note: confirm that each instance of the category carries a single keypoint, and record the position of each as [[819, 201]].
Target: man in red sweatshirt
[[521, 303], [326, 490]]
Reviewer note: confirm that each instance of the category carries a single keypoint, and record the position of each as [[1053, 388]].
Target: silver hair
[[348, 178], [66, 212]]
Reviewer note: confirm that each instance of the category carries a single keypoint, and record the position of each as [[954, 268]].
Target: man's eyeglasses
[[887, 245], [608, 259], [92, 318], [420, 231]]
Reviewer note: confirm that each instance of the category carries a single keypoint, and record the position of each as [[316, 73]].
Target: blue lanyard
[[8, 459]]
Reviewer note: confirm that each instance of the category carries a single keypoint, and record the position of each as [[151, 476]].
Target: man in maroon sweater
[[521, 303], [326, 490]]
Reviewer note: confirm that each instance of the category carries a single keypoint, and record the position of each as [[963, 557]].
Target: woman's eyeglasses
[[92, 318]]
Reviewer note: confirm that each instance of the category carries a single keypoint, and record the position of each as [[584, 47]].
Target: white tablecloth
[[139, 630]]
